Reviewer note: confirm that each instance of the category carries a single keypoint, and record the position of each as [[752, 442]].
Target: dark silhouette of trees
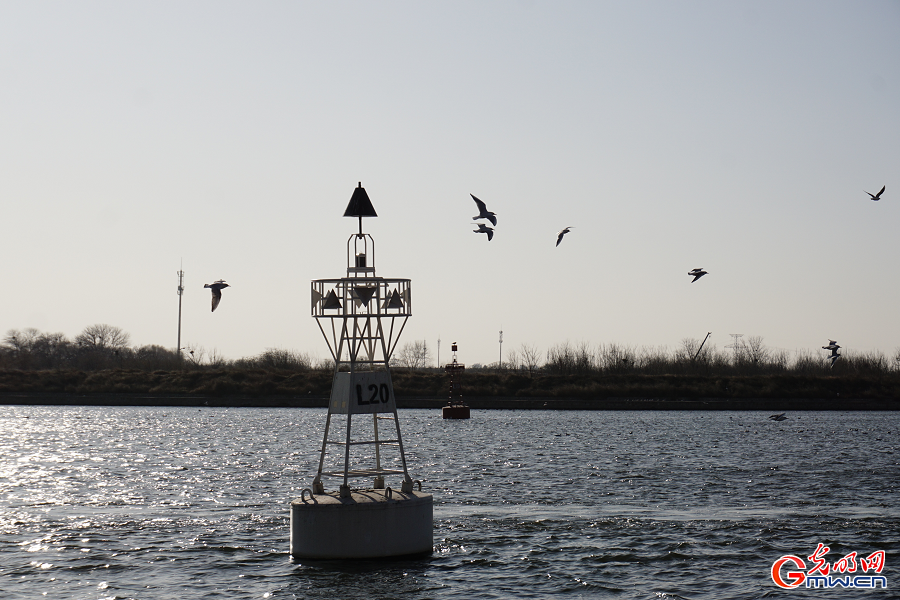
[[103, 337], [101, 346], [529, 357], [277, 358], [106, 347]]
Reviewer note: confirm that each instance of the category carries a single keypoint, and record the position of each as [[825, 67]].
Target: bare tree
[[414, 355], [21, 341], [615, 358], [30, 348], [512, 360], [689, 348], [695, 352], [585, 360], [561, 359], [530, 357], [654, 360], [779, 360], [194, 354], [757, 353], [103, 336], [51, 350], [216, 359]]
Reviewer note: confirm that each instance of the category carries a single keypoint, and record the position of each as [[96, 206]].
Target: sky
[[226, 138]]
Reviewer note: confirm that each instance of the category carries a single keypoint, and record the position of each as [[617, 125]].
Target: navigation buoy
[[361, 317], [456, 407]]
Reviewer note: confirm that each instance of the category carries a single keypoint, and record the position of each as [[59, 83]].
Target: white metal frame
[[361, 317]]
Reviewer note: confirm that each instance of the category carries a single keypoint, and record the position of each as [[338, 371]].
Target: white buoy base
[[376, 523]]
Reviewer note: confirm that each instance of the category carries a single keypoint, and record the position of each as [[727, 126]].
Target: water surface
[[145, 503]]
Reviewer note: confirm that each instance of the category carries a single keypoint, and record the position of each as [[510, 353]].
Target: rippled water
[[136, 502]]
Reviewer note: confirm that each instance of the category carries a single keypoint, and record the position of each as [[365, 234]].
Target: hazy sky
[[228, 137]]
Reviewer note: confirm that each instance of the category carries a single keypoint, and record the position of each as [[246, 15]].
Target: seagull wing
[[492, 218], [216, 298], [876, 196], [482, 209], [560, 237], [490, 233]]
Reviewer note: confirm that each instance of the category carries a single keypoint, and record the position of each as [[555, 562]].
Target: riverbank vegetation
[[100, 360]]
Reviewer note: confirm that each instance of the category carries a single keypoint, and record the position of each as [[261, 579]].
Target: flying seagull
[[779, 417], [482, 228], [833, 346], [697, 273], [483, 212], [562, 233], [216, 288], [877, 196]]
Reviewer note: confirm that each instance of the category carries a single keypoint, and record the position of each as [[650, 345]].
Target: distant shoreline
[[481, 390], [477, 402]]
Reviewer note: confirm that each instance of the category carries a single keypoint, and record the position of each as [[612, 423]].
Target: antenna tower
[[180, 292]]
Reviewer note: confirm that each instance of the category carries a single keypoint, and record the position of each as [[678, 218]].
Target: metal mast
[[180, 292]]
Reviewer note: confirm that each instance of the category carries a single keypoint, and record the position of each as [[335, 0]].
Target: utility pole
[[439, 352], [180, 292], [500, 364]]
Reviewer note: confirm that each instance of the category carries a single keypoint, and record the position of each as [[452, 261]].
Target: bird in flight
[[216, 288], [877, 196], [697, 273], [482, 228], [779, 417], [483, 212], [562, 233], [833, 346]]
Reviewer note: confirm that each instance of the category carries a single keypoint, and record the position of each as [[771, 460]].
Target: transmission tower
[[736, 344]]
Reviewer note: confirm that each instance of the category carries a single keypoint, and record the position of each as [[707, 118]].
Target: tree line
[[748, 356], [104, 346]]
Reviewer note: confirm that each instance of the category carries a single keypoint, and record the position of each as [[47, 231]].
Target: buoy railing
[[363, 472]]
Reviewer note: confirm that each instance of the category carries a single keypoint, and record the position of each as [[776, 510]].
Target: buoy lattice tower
[[456, 407], [361, 317]]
